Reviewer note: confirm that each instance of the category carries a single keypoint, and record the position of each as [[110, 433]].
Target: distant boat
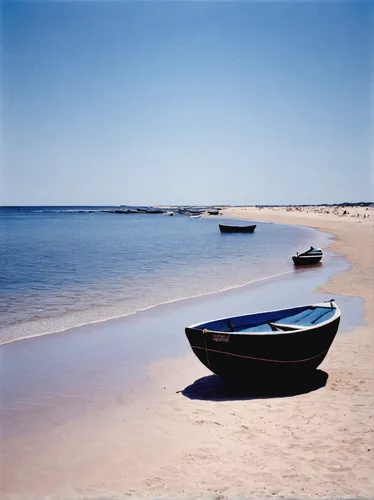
[[268, 344], [194, 212], [224, 228], [123, 210], [213, 212], [189, 211], [154, 211], [310, 257], [194, 216]]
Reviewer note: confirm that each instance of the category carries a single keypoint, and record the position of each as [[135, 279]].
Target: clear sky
[[196, 102]]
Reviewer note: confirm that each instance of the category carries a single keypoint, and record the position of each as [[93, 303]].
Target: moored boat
[[310, 257], [225, 228], [284, 342], [194, 212]]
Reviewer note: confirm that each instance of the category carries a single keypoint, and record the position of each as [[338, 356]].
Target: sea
[[63, 267]]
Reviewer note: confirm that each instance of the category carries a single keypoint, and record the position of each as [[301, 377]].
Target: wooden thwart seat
[[285, 328]]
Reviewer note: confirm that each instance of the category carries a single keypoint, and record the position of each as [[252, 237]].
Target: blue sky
[[186, 102]]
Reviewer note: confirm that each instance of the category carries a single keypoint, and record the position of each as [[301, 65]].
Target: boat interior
[[312, 252], [276, 321]]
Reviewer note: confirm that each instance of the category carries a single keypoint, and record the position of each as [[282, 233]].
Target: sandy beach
[[132, 129], [182, 437]]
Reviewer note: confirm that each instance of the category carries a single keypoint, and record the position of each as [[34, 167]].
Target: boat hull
[[248, 358], [236, 229], [307, 260], [310, 257]]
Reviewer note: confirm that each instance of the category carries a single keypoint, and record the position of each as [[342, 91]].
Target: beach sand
[[203, 443]]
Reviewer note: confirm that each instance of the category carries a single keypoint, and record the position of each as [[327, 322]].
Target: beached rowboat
[[311, 256], [224, 228], [285, 342]]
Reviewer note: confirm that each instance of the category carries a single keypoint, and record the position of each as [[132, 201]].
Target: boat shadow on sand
[[213, 388]]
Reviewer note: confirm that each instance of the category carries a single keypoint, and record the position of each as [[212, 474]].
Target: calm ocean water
[[64, 267]]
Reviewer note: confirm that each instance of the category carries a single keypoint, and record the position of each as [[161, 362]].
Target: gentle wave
[[143, 309]]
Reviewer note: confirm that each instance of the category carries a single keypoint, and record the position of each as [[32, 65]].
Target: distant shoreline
[[223, 205]]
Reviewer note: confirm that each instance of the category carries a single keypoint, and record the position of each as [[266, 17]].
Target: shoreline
[[117, 318], [182, 439], [318, 221], [121, 316]]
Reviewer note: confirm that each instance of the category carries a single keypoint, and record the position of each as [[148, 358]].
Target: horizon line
[[200, 205]]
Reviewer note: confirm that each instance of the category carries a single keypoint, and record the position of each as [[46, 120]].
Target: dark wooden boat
[[224, 228], [194, 212], [154, 211], [310, 257], [136, 211], [287, 342]]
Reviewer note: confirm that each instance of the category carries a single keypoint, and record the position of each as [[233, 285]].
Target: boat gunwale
[[317, 256], [236, 226], [267, 334], [315, 252]]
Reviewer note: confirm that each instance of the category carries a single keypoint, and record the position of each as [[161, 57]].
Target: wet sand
[[89, 424]]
